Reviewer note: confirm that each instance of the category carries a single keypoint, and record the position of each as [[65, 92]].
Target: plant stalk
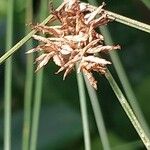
[[8, 78], [128, 110], [124, 20], [84, 113], [123, 78], [98, 115], [129, 22], [36, 110], [38, 92], [124, 81], [25, 39], [28, 82]]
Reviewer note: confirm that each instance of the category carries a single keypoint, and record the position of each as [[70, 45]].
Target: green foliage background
[[60, 126]]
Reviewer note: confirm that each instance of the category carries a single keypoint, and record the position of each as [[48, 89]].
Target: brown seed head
[[75, 40]]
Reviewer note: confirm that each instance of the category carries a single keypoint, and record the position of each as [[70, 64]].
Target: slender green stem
[[123, 78], [98, 116], [8, 79], [17, 46], [25, 39], [125, 105], [28, 83], [124, 81], [38, 93], [36, 110], [129, 22], [125, 20], [84, 113]]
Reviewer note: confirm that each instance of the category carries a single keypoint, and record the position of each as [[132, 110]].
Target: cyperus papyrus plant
[[75, 40], [66, 57]]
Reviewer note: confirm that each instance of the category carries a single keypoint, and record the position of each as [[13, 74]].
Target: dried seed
[[75, 40]]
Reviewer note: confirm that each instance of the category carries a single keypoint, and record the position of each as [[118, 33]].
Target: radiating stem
[[125, 105], [8, 78], [124, 81], [123, 78], [98, 115], [25, 39], [125, 20], [38, 93], [129, 22], [28, 82], [84, 113], [36, 110]]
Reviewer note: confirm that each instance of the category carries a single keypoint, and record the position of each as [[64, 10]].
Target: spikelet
[[74, 41]]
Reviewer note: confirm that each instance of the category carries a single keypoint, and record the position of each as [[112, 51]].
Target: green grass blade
[[124, 81], [28, 82], [128, 110], [38, 93], [98, 116], [84, 113], [8, 78]]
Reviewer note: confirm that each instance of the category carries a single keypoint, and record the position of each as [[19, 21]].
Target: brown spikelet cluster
[[75, 41]]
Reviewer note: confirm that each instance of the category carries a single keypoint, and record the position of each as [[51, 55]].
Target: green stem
[[98, 116], [124, 81], [25, 39], [8, 79], [28, 83], [123, 78], [38, 93], [125, 20], [129, 22], [125, 105], [84, 114], [36, 110]]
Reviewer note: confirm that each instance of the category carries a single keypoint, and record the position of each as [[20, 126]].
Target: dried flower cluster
[[75, 41]]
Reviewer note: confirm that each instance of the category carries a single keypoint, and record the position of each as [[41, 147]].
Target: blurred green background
[[60, 125]]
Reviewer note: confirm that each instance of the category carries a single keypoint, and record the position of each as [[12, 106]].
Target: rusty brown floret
[[74, 41]]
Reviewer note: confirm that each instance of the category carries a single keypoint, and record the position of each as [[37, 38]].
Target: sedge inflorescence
[[75, 41]]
